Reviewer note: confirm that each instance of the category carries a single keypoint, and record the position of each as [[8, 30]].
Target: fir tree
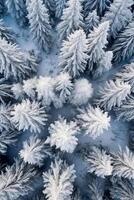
[[91, 21], [17, 8], [123, 189], [60, 5], [94, 121], [34, 151], [13, 61], [39, 24], [97, 40], [14, 182], [58, 181], [63, 135], [27, 115], [123, 164], [73, 56], [71, 19], [113, 93], [100, 5], [82, 92], [119, 16], [99, 162], [123, 47]]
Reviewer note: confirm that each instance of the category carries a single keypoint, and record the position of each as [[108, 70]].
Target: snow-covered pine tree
[[71, 19], [73, 55], [45, 90], [17, 90], [6, 32], [123, 164], [100, 5], [34, 151], [113, 93], [17, 8], [58, 181], [60, 5], [99, 162], [51, 5], [82, 92], [127, 74], [122, 189], [91, 21], [104, 65], [119, 16], [7, 138], [97, 40], [15, 181], [29, 87], [95, 188], [94, 121], [63, 86], [123, 47], [63, 135], [28, 115], [5, 123], [126, 110], [13, 61], [40, 27]]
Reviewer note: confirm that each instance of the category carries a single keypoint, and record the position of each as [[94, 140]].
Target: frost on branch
[[82, 92], [99, 162], [126, 110], [28, 115], [5, 123], [45, 90], [94, 121], [123, 47], [123, 164], [58, 181], [15, 181], [73, 54], [71, 19], [6, 32], [123, 189], [39, 24], [5, 91], [63, 86], [91, 21], [34, 151], [113, 93], [63, 135], [13, 61], [60, 5], [97, 40], [29, 87], [119, 16], [17, 90]]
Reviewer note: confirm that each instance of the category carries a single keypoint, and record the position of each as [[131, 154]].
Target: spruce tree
[[39, 24], [91, 21], [60, 5], [71, 19]]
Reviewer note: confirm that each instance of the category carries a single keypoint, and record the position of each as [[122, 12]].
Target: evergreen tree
[[100, 5], [27, 115], [60, 5], [99, 162], [29, 87], [123, 47], [14, 182], [63, 135], [17, 8], [58, 181], [71, 19], [17, 90], [123, 164], [126, 110], [97, 40], [119, 16], [82, 92], [13, 61], [123, 189], [91, 21], [94, 121], [73, 56], [34, 151], [113, 93], [39, 24]]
